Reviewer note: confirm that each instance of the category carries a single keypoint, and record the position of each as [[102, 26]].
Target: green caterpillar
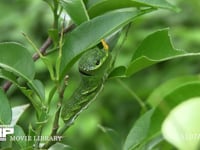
[[93, 66]]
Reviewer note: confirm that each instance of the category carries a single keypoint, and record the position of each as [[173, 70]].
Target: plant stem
[[57, 115], [59, 133], [137, 98], [58, 62], [42, 49], [37, 142], [55, 128]]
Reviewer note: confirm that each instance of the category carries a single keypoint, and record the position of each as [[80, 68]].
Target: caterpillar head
[[93, 62]]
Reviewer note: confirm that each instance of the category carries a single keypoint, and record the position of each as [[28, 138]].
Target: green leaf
[[38, 105], [118, 72], [8, 76], [54, 35], [168, 87], [16, 59], [31, 133], [17, 111], [36, 85], [182, 89], [139, 131], [113, 39], [20, 144], [182, 126], [90, 33], [111, 135], [98, 7], [39, 88], [156, 48], [5, 110], [181, 93], [158, 4], [49, 65], [60, 146], [76, 10], [151, 144]]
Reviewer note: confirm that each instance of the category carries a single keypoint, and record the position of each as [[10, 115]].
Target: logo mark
[[4, 131]]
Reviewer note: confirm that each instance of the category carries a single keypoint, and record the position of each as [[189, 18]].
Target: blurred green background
[[106, 123]]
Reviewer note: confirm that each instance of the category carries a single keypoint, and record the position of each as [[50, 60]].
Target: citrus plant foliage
[[93, 36]]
